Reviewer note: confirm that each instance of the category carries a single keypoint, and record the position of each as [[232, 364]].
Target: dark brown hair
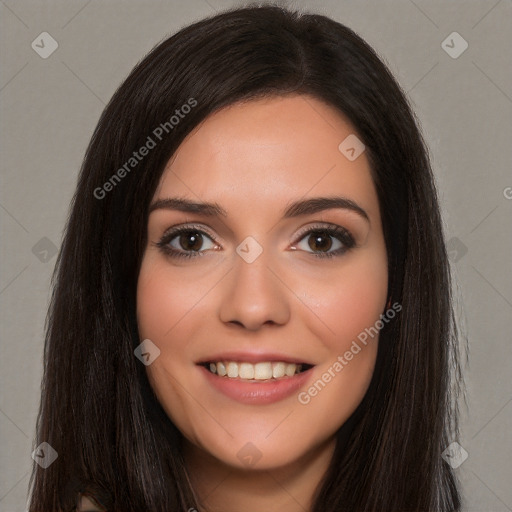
[[97, 409]]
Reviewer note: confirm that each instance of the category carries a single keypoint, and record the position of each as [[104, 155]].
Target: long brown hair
[[98, 411]]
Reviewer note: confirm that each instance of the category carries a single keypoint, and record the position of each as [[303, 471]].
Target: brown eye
[[191, 241], [186, 242], [320, 241], [326, 241]]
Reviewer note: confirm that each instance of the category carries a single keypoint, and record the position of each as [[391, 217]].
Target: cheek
[[164, 298], [157, 308], [349, 306], [348, 301], [162, 306], [170, 310]]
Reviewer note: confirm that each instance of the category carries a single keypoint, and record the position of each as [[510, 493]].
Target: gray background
[[49, 108]]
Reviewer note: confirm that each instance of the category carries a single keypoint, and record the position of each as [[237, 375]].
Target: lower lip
[[257, 393]]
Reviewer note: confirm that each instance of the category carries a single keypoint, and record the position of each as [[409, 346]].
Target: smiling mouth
[[263, 371]]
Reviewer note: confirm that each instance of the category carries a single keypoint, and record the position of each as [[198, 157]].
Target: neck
[[289, 488]]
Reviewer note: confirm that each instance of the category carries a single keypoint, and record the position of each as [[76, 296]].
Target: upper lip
[[252, 357]]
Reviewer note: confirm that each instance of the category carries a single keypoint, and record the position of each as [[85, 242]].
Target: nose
[[254, 296]]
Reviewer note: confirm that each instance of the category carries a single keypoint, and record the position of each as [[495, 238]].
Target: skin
[[254, 159], [86, 505]]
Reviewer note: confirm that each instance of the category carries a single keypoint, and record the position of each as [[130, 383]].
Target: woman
[[252, 305]]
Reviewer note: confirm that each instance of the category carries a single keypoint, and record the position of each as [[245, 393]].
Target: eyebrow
[[295, 209]]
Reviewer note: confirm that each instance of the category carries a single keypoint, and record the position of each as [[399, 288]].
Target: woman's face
[[249, 270]]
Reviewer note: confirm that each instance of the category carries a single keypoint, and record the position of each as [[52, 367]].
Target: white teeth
[[263, 371], [221, 369], [232, 370], [246, 371], [259, 371], [278, 370], [290, 369]]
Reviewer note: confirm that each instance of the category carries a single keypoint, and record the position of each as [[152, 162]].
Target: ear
[[87, 504]]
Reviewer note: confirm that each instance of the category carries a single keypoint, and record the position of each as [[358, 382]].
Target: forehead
[[266, 151]]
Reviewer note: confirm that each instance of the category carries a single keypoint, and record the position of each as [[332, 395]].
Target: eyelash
[[341, 234]]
